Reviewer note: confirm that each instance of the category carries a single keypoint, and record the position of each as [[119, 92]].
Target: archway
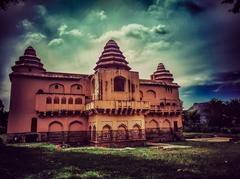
[[122, 133], [76, 132], [166, 125], [107, 133], [136, 132], [154, 126], [151, 94], [55, 132]]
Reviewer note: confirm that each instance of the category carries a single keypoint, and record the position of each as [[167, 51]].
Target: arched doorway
[[153, 131], [106, 133], [153, 125], [166, 126], [122, 133], [55, 132], [76, 133], [136, 132]]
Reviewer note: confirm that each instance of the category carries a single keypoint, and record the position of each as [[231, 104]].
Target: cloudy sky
[[197, 40]]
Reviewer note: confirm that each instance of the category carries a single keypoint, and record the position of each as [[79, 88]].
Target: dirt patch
[[211, 139]]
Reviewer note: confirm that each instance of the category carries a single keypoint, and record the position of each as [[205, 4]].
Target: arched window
[[151, 94], [78, 101], [49, 100], [56, 100], [56, 88], [70, 100], [63, 100], [119, 83], [162, 104], [76, 89], [40, 91]]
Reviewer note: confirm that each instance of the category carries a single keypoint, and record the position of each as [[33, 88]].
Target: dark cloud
[[223, 84], [191, 6], [227, 77]]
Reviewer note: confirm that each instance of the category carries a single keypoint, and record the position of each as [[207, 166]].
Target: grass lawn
[[39, 160]]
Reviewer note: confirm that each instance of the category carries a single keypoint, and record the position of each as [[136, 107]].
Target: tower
[[113, 79], [23, 90], [161, 74], [116, 113]]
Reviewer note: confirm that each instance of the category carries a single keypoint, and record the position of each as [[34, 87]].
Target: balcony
[[166, 110], [118, 107], [58, 105]]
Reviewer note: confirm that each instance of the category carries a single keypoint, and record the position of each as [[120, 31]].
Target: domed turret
[[29, 62], [30, 51], [112, 57], [162, 74]]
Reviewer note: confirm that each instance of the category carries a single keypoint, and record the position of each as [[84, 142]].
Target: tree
[[236, 5], [3, 118], [192, 120], [4, 4]]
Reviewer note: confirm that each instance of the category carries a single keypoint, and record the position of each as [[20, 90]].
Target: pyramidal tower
[[112, 57], [161, 74]]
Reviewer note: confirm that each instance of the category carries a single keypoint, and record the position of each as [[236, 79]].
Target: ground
[[200, 160]]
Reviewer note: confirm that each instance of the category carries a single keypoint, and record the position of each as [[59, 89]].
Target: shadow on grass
[[22, 162]]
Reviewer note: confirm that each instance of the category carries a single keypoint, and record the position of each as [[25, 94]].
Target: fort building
[[112, 107]]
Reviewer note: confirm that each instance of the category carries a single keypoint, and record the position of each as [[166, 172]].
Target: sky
[[197, 40]]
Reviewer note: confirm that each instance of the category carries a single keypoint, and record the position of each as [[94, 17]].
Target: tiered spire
[[162, 74], [29, 60], [112, 57]]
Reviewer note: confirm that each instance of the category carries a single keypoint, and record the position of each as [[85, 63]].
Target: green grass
[[40, 160]]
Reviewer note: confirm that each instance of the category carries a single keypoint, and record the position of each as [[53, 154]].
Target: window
[[56, 88], [49, 100], [56, 100], [40, 91], [78, 101], [119, 83], [63, 100], [34, 125], [151, 94], [70, 101], [76, 89]]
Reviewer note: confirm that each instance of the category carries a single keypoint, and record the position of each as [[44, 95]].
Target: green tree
[[192, 120], [3, 118]]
